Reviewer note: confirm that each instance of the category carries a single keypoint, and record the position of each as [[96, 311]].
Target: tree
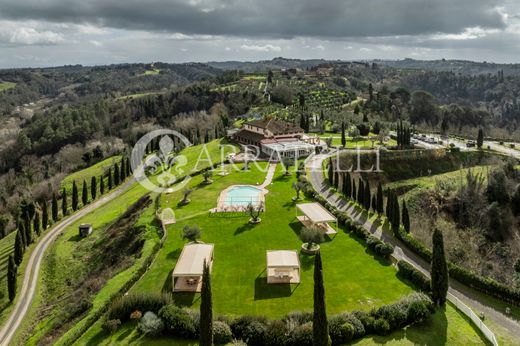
[[45, 215], [75, 196], [19, 247], [254, 212], [122, 172], [191, 233], [497, 187], [84, 194], [129, 169], [330, 172], [320, 328], [366, 195], [361, 192], [406, 218], [373, 204], [480, 138], [395, 222], [36, 223], [206, 309], [439, 269], [380, 201], [93, 187], [287, 162], [343, 136], [311, 236], [110, 183], [347, 185], [27, 228], [4, 221], [11, 278], [186, 192], [370, 92], [207, 174], [101, 185], [54, 208], [64, 207], [298, 186], [354, 195], [116, 174]]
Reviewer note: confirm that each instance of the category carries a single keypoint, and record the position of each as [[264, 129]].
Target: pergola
[[283, 267], [316, 216], [187, 275]]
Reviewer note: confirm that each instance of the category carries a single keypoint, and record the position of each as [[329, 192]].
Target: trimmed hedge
[[409, 272]]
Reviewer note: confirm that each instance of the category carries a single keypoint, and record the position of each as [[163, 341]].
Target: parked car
[[470, 144]]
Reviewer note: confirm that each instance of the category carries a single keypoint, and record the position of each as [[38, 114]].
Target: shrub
[[409, 272], [417, 312], [110, 326], [150, 324], [340, 330], [255, 333], [381, 327], [301, 336], [240, 326], [178, 322], [221, 333], [276, 333], [123, 307]]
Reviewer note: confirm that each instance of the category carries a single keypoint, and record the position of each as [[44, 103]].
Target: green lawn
[[6, 249], [153, 72], [6, 85], [86, 174]]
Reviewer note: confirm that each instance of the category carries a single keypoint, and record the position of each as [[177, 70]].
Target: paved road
[[503, 149], [466, 295], [32, 270]]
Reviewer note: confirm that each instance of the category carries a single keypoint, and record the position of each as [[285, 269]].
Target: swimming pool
[[242, 195]]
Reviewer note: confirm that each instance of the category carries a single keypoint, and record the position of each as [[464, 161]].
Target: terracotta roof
[[276, 126], [252, 136]]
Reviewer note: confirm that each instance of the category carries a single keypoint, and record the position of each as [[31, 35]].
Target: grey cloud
[[267, 18]]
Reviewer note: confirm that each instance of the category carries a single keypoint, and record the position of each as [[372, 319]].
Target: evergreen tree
[[116, 174], [320, 329], [361, 192], [93, 187], [101, 185], [347, 185], [406, 218], [64, 204], [389, 202], [27, 228], [11, 277], [122, 171], [45, 215], [54, 208], [366, 196], [374, 203], [380, 200], [480, 138], [129, 169], [330, 173], [395, 211], [110, 183], [336, 179], [206, 309], [75, 196], [343, 137], [84, 194], [19, 247], [439, 269], [354, 193], [36, 223], [23, 232]]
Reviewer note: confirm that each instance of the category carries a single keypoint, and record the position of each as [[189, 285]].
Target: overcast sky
[[58, 32]]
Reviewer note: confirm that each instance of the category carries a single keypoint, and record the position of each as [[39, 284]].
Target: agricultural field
[[6, 86]]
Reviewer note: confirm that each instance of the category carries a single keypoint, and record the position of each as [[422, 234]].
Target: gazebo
[[187, 275], [283, 267], [316, 216]]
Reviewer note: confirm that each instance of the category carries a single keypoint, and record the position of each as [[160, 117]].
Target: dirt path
[[467, 295], [32, 270]]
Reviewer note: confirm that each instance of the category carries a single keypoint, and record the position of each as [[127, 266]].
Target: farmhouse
[[277, 138]]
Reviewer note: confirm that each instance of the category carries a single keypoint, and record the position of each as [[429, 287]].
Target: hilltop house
[[276, 138]]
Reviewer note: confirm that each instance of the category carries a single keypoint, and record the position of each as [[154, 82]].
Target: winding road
[[32, 270], [463, 293]]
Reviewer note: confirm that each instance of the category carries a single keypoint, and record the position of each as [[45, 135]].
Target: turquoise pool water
[[242, 195]]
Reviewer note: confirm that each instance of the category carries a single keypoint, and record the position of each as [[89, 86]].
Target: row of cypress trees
[[32, 221]]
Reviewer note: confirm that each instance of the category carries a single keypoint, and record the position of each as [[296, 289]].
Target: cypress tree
[[129, 169], [84, 194], [75, 196], [348, 187], [320, 329], [354, 195], [64, 204], [380, 200], [101, 185], [36, 223], [389, 202], [110, 183], [27, 228], [395, 211], [206, 309], [366, 196], [406, 218], [336, 179], [116, 174], [54, 208], [343, 137], [330, 172], [93, 187], [361, 192], [45, 215], [439, 269], [374, 202], [11, 278], [19, 247], [122, 172], [480, 138]]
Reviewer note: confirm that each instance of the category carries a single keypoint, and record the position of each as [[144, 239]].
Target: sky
[[95, 32]]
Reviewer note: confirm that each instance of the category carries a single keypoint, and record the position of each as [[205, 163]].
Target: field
[[6, 85], [86, 174]]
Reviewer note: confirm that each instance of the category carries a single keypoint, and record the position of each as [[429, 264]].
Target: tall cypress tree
[[366, 195], [360, 192], [354, 195], [330, 172], [45, 215], [36, 223], [406, 218], [122, 172], [343, 137], [320, 328], [348, 186], [439, 269], [11, 278], [84, 194], [75, 196], [54, 208], [27, 228], [64, 204], [93, 187], [395, 211], [389, 202], [19, 247], [116, 174], [380, 199], [129, 169], [101, 185], [336, 179], [206, 309], [110, 182], [374, 202], [480, 138]]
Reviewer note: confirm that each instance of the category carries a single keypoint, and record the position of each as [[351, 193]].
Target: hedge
[[409, 272]]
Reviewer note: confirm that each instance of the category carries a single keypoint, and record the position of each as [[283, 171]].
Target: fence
[[476, 320]]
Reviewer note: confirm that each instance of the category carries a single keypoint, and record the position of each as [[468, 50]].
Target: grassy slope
[[6, 249], [6, 85], [86, 174]]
